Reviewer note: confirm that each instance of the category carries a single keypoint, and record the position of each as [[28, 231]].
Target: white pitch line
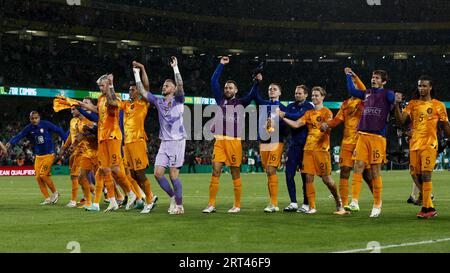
[[395, 245]]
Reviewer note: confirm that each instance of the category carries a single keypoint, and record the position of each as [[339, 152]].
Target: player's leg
[[106, 158], [99, 184], [367, 176], [118, 170], [428, 159], [176, 152], [150, 198], [310, 193], [293, 157], [343, 185], [135, 158], [174, 173], [83, 178], [237, 189], [74, 165], [273, 162], [218, 160], [309, 170], [346, 163], [377, 189], [377, 158], [45, 174], [234, 158], [361, 159], [305, 205], [323, 169], [42, 186]]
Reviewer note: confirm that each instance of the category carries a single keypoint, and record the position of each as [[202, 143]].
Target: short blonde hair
[[319, 89], [102, 78]]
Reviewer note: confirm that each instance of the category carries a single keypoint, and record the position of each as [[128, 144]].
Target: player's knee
[[140, 176], [216, 172], [173, 176], [426, 176], [41, 176], [345, 172]]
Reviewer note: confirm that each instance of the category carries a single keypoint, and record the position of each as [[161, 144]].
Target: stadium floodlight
[[25, 35], [400, 55], [187, 50]]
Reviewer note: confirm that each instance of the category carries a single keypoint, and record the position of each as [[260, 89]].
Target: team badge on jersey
[[41, 130]]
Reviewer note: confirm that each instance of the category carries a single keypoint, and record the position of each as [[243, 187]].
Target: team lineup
[[107, 143]]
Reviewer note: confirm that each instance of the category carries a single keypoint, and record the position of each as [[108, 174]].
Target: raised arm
[[146, 95], [179, 92], [247, 99], [259, 100], [111, 98], [351, 86], [215, 79], [144, 77]]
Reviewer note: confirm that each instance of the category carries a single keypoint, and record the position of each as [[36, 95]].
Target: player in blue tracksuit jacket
[[295, 149], [40, 132]]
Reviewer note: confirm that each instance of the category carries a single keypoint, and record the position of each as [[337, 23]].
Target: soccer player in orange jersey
[[135, 148], [75, 151], [424, 113], [371, 145], [316, 159], [109, 143], [349, 114]]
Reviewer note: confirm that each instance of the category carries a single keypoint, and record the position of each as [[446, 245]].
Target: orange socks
[[237, 184], [311, 195], [273, 189], [343, 191], [109, 184], [99, 183], [356, 186], [426, 194], [148, 191], [123, 182], [74, 188], [134, 187], [213, 189], [377, 187], [86, 190]]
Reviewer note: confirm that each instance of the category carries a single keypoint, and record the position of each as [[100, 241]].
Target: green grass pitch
[[26, 226]]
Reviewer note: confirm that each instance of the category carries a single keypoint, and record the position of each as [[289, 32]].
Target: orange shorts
[[422, 160], [316, 163], [109, 153], [370, 148], [43, 164], [88, 163], [74, 164], [228, 151], [271, 154], [136, 155]]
